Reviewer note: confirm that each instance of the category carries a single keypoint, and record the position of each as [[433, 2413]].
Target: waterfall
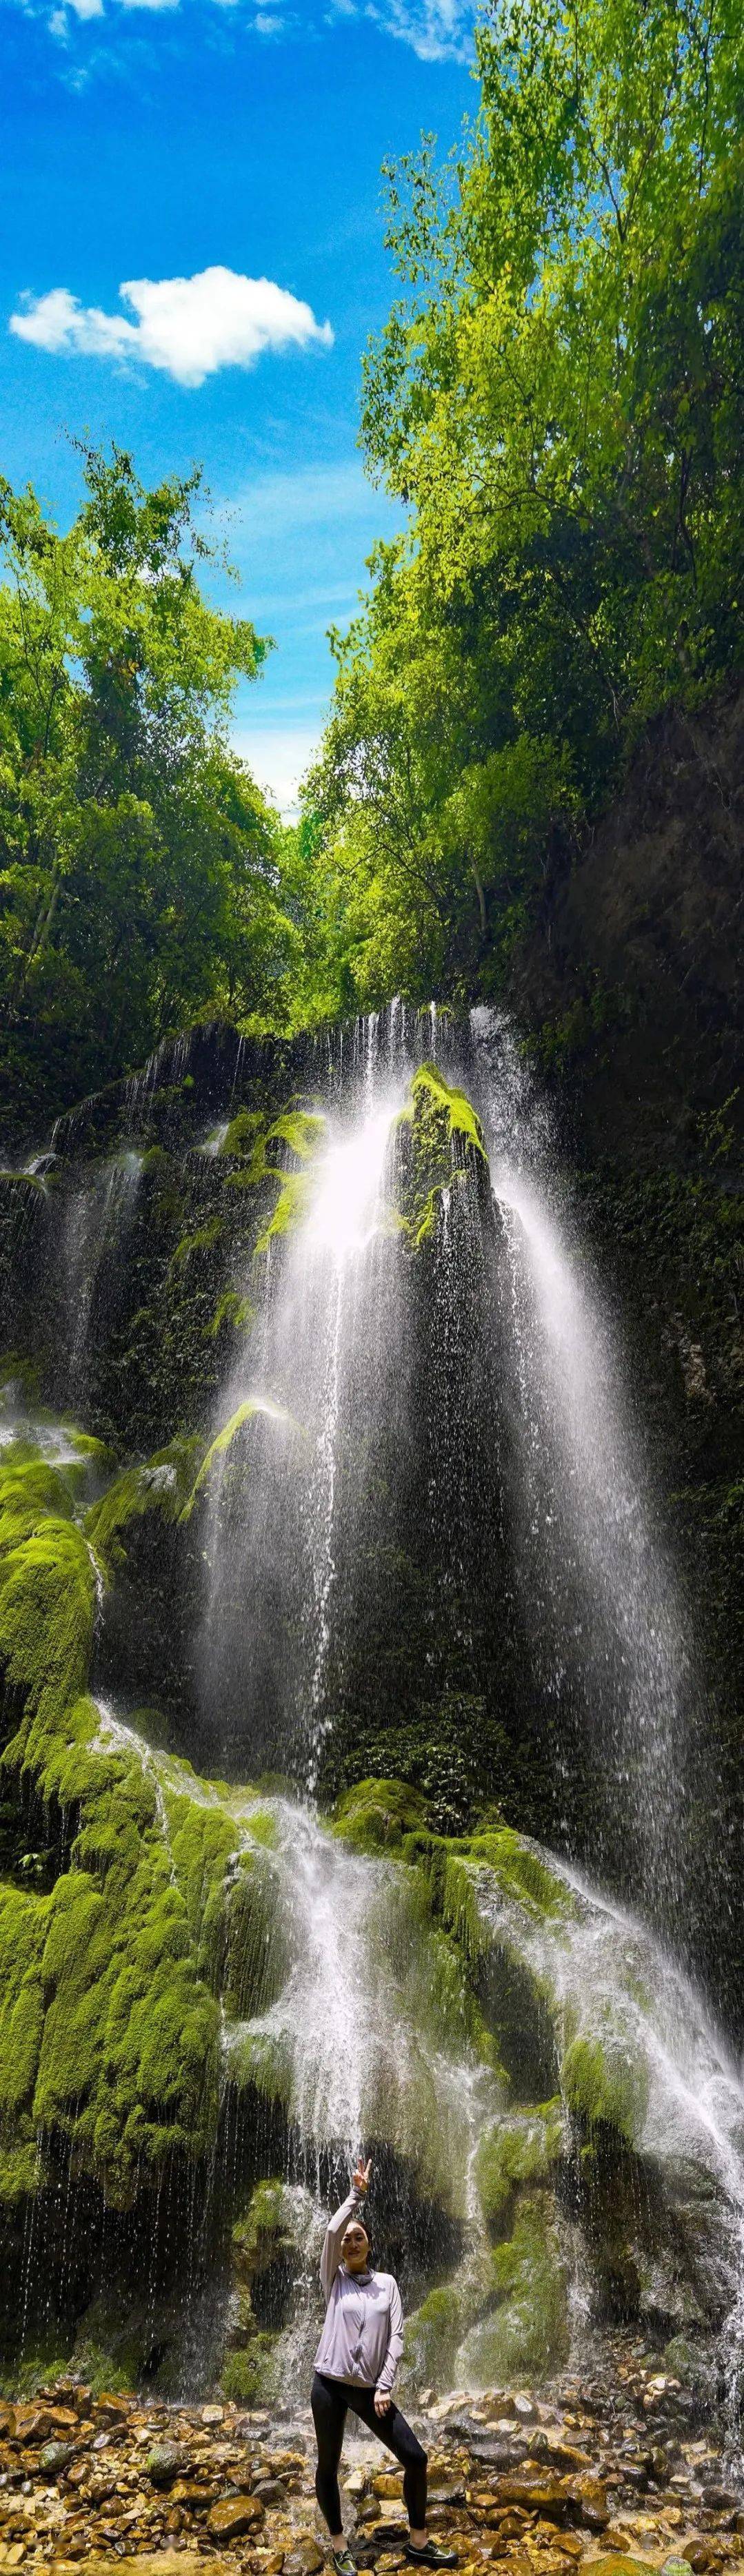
[[96, 1223], [606, 1623], [402, 1529], [271, 1544]]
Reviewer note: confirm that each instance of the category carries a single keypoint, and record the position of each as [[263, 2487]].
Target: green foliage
[[557, 401], [140, 868], [249, 2378]]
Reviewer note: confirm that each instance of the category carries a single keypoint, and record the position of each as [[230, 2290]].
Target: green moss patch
[[432, 2336], [440, 1143], [515, 2152], [254, 1408], [526, 2335], [603, 2083], [161, 1486], [377, 1815], [109, 2019]]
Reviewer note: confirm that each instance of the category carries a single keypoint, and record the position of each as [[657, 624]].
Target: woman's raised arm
[[331, 2255]]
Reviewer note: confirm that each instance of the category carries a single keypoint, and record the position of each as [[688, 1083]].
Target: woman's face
[[355, 2247]]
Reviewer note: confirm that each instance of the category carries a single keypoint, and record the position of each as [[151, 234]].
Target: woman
[[355, 2366]]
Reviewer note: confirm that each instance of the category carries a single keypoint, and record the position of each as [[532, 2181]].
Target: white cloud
[[311, 496], [188, 327], [435, 28], [278, 756]]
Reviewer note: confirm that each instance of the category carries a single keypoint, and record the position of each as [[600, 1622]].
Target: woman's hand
[[383, 2403], [360, 2178]]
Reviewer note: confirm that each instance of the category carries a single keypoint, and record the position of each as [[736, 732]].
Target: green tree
[[558, 399], [140, 868]]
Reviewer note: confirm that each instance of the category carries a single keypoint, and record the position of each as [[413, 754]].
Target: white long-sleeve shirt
[[362, 2337]]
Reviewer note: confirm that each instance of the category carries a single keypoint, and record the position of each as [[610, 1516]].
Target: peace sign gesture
[[360, 2176]]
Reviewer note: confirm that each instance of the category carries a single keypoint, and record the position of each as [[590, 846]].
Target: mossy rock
[[160, 1486], [203, 1239], [603, 2082], [250, 2377], [616, 2563], [432, 2335], [232, 1313], [253, 1410], [265, 2232], [261, 2061], [378, 1815], [242, 1132], [261, 1146], [440, 1145], [526, 2336], [109, 2021], [518, 2150], [523, 1872]]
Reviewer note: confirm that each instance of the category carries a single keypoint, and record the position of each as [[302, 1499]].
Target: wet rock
[[33, 2424], [305, 2560], [54, 2458], [590, 2497], [538, 2492], [113, 2410], [233, 2515], [270, 2490], [498, 2454], [165, 2462], [619, 2564]]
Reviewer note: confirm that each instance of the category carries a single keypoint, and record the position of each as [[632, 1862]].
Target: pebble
[[527, 2486]]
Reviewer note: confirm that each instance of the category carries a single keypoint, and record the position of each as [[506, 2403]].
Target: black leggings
[[330, 2400]]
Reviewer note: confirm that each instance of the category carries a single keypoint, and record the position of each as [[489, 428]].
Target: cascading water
[[271, 1543], [96, 1224], [421, 1512], [605, 1619]]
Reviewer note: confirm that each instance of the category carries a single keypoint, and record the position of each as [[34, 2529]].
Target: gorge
[[359, 1781]]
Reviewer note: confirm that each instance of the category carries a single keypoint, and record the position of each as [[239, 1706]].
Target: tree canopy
[[557, 396], [557, 399], [140, 868]]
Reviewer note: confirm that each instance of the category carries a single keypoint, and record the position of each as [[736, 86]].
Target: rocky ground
[[611, 2478]]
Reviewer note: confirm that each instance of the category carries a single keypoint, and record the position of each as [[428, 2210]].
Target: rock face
[[204, 1991]]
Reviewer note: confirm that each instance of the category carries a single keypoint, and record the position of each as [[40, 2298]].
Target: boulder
[[233, 2515], [165, 2462]]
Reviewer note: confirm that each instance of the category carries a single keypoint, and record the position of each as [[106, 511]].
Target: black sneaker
[[432, 2555], [343, 2562]]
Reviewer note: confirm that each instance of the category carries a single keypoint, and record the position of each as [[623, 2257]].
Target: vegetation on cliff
[[556, 398]]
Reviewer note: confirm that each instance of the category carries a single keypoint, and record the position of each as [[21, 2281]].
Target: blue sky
[[146, 144]]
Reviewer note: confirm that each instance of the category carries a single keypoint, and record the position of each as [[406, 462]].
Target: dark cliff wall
[[630, 990]]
